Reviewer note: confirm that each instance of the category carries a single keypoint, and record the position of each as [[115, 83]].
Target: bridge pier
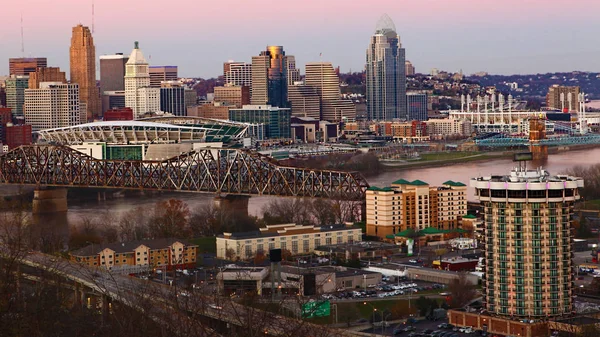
[[235, 204], [49, 201]]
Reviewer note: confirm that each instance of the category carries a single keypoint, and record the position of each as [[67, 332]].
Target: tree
[[259, 258], [348, 315], [425, 305], [170, 219], [288, 210], [230, 253], [462, 292]]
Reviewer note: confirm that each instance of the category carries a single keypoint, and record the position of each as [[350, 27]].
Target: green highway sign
[[316, 309]]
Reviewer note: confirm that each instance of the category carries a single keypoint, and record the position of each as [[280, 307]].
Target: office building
[[15, 93], [138, 255], [172, 98], [293, 73], [160, 74], [417, 106], [238, 73], [235, 95], [415, 205], [54, 105], [528, 234], [325, 80], [213, 110], [138, 94], [277, 119], [190, 97], [17, 135], [48, 74], [112, 72], [409, 69], [304, 101], [563, 98], [113, 100], [83, 69], [296, 239], [385, 77], [122, 114], [22, 66], [269, 78]]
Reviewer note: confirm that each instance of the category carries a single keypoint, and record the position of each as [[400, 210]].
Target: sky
[[500, 37]]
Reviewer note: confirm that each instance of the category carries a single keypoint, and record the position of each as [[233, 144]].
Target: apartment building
[[414, 205], [528, 243], [147, 254], [297, 239], [54, 105], [449, 127]]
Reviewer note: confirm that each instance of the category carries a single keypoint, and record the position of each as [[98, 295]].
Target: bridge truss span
[[210, 170]]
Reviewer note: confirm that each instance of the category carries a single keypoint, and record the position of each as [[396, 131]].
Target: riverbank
[[429, 160], [399, 165]]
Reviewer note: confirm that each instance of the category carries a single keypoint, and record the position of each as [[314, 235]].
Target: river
[[556, 163]]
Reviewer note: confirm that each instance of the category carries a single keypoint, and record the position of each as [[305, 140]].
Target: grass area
[[590, 204], [447, 155], [205, 244]]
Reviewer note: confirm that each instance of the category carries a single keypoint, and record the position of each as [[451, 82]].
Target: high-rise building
[[138, 94], [50, 74], [238, 73], [563, 98], [113, 100], [385, 77], [15, 93], [172, 98], [304, 100], [276, 119], [83, 69], [269, 78], [160, 74], [527, 229], [417, 106], [54, 105], [414, 205], [234, 95], [112, 72], [293, 73], [324, 79], [409, 69], [213, 110], [25, 65]]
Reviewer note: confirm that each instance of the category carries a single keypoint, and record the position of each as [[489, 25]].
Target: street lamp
[[374, 309]]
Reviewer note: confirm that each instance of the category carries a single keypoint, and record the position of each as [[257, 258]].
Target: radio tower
[[92, 17]]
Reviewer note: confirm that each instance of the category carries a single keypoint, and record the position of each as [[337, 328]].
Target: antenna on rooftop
[[92, 16], [22, 39]]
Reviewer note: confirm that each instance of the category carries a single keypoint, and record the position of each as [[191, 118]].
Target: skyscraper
[[269, 78], [409, 69], [54, 105], [26, 65], [138, 94], [83, 68], [50, 74], [527, 219], [417, 106], [325, 80], [386, 80], [112, 72], [304, 100], [293, 73], [15, 93], [172, 98], [160, 74]]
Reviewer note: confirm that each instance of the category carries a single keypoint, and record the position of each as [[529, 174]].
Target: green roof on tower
[[401, 182]]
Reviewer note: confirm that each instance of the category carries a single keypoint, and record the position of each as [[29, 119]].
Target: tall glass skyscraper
[[269, 78], [386, 78]]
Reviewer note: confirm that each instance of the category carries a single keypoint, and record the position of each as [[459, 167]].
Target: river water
[[555, 164]]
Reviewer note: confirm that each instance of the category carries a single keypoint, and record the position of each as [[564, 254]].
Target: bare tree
[[461, 291]]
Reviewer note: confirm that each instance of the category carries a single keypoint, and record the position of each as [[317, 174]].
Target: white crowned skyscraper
[[386, 78]]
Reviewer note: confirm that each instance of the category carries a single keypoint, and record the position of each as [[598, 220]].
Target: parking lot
[[388, 288], [423, 328]]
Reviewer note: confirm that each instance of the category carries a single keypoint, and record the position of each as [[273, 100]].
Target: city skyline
[[468, 35]]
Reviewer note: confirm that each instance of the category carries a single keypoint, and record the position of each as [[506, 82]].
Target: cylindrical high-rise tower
[[527, 221]]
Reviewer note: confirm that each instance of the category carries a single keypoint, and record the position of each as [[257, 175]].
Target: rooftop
[[286, 229], [125, 247], [522, 174]]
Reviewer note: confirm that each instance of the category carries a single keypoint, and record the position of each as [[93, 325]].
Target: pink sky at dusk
[[510, 36]]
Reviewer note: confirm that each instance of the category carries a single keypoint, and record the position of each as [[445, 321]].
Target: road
[[172, 308]]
